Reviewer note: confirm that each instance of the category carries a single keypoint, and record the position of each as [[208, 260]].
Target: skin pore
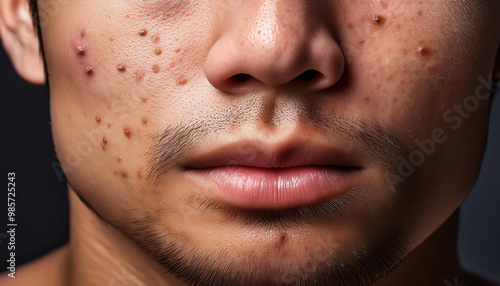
[[141, 90]]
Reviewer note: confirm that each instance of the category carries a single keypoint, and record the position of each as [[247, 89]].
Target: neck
[[99, 254]]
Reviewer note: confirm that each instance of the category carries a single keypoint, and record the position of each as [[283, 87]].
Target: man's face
[[271, 140]]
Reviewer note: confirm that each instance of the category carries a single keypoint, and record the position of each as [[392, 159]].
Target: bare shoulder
[[48, 270]]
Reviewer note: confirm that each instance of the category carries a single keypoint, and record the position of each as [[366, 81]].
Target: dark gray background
[[42, 210]]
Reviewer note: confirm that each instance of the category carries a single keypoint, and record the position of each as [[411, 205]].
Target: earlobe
[[21, 41]]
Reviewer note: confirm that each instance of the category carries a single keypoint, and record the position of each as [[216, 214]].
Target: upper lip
[[258, 154]]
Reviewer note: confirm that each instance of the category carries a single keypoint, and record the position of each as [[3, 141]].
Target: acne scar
[[420, 13], [139, 174], [156, 69], [143, 32], [144, 99], [177, 50], [155, 39], [181, 81], [367, 98], [138, 75], [361, 42], [111, 39], [123, 174], [127, 132]]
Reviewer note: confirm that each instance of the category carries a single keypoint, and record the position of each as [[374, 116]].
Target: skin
[[121, 72]]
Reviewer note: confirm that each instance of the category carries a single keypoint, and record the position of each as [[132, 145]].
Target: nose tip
[[275, 48]]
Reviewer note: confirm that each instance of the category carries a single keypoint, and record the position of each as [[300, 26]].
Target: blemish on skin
[[158, 52], [82, 33], [144, 99], [144, 121], [377, 19], [361, 42], [98, 119], [104, 143], [155, 39], [119, 159], [420, 13], [143, 32], [111, 39], [423, 50], [121, 68], [383, 4], [139, 174], [349, 25], [177, 50], [181, 81], [281, 241], [138, 75], [123, 174], [367, 98], [395, 100], [155, 69], [89, 71], [80, 50], [127, 132]]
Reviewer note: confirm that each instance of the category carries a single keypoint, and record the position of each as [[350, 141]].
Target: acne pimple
[[158, 52], [111, 39], [144, 121], [139, 174], [423, 50], [80, 50], [367, 98], [281, 241], [143, 32], [104, 143], [127, 132], [361, 42], [98, 119], [155, 69], [89, 71], [144, 99], [177, 50], [420, 13], [377, 19], [121, 68], [82, 33], [119, 159]]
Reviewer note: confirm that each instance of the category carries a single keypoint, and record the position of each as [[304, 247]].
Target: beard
[[326, 264]]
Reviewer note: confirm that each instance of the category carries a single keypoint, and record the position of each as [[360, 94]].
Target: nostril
[[241, 77], [308, 75]]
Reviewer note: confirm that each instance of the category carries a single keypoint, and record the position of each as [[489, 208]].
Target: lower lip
[[250, 187]]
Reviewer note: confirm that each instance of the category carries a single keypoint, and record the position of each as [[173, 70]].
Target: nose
[[274, 43]]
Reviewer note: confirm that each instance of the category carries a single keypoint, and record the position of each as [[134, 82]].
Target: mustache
[[172, 144]]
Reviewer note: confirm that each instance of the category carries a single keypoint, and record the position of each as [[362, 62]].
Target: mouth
[[255, 175]]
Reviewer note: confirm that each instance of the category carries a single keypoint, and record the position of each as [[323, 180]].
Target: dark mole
[[423, 50], [143, 32], [281, 241], [98, 119], [158, 52], [377, 19], [156, 68], [89, 71], [144, 121], [121, 68], [126, 132]]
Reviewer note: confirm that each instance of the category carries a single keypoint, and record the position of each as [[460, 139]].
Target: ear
[[21, 41]]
